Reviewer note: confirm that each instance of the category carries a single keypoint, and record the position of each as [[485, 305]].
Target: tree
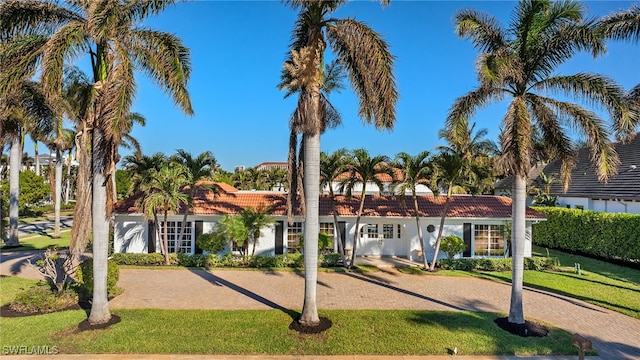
[[141, 169], [368, 62], [331, 168], [197, 169], [117, 45], [164, 193], [416, 170], [363, 169], [254, 221], [625, 25], [61, 141], [520, 63]]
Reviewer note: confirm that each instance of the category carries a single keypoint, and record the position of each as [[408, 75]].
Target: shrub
[[497, 264], [606, 235], [195, 260], [41, 299], [212, 242], [452, 245], [154, 259], [232, 260], [330, 260], [84, 277]]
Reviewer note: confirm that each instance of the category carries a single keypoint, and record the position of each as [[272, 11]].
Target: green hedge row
[[497, 264], [210, 261], [606, 235]]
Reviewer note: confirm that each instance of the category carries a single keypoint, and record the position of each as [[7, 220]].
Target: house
[[621, 193], [387, 227]]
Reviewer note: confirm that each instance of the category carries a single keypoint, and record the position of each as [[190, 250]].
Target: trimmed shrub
[[497, 264], [84, 277], [195, 260], [452, 245], [607, 235], [329, 260], [41, 299], [154, 259], [211, 242]]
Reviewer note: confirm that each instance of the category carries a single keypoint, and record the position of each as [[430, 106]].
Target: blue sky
[[238, 48]]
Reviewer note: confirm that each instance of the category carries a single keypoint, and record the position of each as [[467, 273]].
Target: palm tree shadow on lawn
[[325, 323]]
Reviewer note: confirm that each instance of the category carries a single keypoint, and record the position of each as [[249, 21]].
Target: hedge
[[497, 264], [613, 236]]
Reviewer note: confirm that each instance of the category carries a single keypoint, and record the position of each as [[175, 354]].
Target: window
[[488, 240], [387, 231], [293, 237], [173, 228], [372, 231], [399, 231], [326, 228]]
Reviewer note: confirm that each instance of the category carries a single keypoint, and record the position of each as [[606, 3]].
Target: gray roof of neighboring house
[[584, 182], [534, 172]]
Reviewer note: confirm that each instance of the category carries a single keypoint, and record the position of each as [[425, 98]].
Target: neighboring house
[[372, 189], [387, 226], [504, 186], [268, 165], [620, 194]]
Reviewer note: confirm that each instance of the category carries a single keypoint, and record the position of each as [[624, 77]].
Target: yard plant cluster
[[606, 235]]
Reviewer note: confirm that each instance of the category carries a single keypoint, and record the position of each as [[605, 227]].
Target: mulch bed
[[527, 329], [86, 326], [325, 324]]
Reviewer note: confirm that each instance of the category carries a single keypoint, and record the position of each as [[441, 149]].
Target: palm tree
[[331, 168], [363, 169], [416, 170], [625, 25], [163, 193], [142, 168], [366, 57], [520, 63], [254, 221], [197, 169], [117, 46], [61, 141]]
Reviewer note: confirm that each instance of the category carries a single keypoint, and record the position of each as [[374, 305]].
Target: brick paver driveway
[[614, 335]]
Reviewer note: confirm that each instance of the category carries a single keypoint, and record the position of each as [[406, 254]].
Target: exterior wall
[[612, 206], [574, 202], [373, 189], [131, 235]]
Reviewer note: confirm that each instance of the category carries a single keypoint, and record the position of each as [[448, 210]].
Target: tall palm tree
[[416, 170], [117, 45], [625, 25], [197, 169], [520, 63], [331, 168], [163, 193], [366, 57], [62, 140], [363, 169], [142, 168]]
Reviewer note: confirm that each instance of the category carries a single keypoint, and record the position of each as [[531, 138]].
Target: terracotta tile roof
[[232, 202]]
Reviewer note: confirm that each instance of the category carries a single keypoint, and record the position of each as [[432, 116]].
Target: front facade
[[387, 227]]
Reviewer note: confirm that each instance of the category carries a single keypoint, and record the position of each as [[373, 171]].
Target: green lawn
[[610, 286], [266, 332], [42, 241]]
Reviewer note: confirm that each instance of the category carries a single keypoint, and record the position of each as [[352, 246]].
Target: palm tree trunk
[[357, 231], [309, 315], [420, 238], [100, 305], [37, 157], [336, 229], [58, 193], [14, 189], [84, 195], [67, 186], [184, 222], [516, 313], [165, 238], [445, 210]]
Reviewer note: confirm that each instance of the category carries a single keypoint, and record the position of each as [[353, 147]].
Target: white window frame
[[495, 246], [173, 228]]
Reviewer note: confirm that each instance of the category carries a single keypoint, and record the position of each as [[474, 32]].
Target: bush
[[84, 277], [497, 264], [330, 260], [452, 245], [212, 242], [606, 235], [154, 259], [195, 260], [42, 299]]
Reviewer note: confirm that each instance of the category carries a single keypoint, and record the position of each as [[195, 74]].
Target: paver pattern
[[615, 336]]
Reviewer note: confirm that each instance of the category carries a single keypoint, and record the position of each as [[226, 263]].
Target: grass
[[42, 241], [266, 332], [611, 286], [43, 217]]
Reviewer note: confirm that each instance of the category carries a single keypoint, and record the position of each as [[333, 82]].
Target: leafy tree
[[366, 57], [123, 184], [233, 229], [254, 221], [520, 62], [363, 169], [34, 192], [416, 170]]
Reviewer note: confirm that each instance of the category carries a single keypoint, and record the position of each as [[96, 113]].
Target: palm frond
[[482, 29], [369, 63], [516, 137], [33, 16], [463, 108], [623, 25]]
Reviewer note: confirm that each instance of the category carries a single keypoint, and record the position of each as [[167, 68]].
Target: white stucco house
[[387, 227]]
